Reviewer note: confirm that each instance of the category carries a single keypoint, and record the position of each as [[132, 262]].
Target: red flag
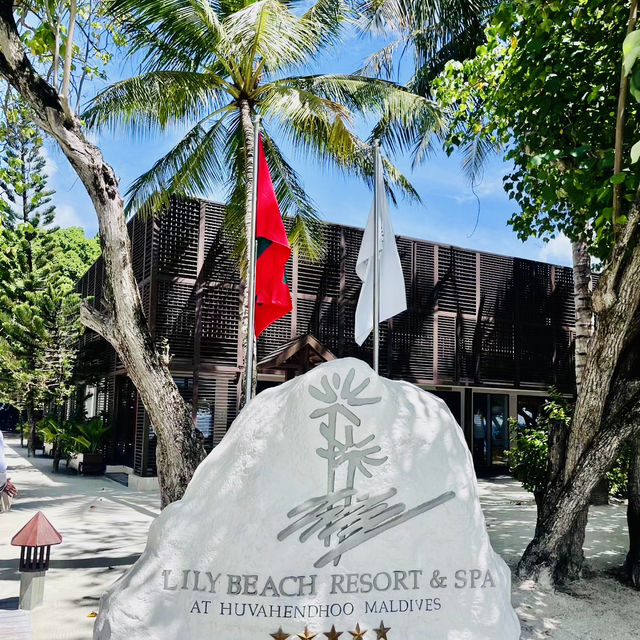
[[273, 299]]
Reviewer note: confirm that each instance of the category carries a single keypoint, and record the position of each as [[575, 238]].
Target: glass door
[[124, 423], [490, 429], [499, 407], [481, 441]]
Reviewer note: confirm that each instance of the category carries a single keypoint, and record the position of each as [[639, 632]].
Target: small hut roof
[[38, 532]]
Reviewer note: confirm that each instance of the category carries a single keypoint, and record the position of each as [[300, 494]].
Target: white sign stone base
[[339, 505]]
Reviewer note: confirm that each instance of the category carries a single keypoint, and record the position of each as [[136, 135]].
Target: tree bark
[[608, 394], [247, 126], [632, 564], [122, 322], [582, 293], [557, 547], [31, 441]]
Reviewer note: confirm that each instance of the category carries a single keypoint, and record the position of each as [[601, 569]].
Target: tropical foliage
[[74, 435], [214, 65], [528, 92], [74, 253], [432, 32], [529, 455], [90, 435], [73, 41], [24, 197], [39, 312]]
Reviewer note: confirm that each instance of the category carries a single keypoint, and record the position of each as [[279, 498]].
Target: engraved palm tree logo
[[343, 514]]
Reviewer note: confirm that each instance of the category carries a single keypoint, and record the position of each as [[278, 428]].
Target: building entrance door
[[490, 429], [124, 423]]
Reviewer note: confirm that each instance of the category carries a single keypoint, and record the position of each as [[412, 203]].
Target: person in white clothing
[[6, 486]]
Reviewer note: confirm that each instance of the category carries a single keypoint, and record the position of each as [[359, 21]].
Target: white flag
[[393, 298]]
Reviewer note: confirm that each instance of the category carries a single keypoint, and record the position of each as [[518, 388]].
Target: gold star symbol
[[333, 634], [358, 634], [307, 635], [382, 631], [279, 635]]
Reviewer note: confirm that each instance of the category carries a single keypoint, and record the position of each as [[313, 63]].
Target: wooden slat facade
[[475, 320]]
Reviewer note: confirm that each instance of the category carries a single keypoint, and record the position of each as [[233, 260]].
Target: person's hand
[[10, 489]]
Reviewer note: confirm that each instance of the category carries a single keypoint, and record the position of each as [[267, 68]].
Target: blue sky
[[448, 214]]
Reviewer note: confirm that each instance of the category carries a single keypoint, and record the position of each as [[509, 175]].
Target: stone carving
[[339, 505], [354, 518]]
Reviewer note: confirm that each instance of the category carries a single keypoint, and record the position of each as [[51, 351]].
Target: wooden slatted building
[[486, 332]]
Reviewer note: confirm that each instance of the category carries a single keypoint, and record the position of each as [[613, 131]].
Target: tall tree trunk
[[559, 432], [31, 424], [122, 321], [608, 393], [68, 56], [632, 564], [582, 294], [247, 126]]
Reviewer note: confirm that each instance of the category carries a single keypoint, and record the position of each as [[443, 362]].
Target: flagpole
[[376, 257], [251, 274]]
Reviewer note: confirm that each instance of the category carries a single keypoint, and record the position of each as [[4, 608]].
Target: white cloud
[[50, 166], [67, 216], [487, 186], [557, 250]]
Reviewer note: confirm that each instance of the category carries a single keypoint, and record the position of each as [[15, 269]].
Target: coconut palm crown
[[213, 64]]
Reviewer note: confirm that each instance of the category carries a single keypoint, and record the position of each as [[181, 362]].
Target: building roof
[[312, 349]]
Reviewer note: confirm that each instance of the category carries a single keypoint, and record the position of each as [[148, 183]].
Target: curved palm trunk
[[123, 322], [247, 126], [607, 413]]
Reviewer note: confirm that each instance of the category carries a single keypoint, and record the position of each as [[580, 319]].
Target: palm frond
[[266, 32], [406, 121], [293, 200], [192, 168], [327, 18], [151, 101], [381, 63], [304, 234], [166, 30], [438, 31], [475, 154]]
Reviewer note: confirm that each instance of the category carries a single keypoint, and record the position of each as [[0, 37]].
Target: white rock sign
[[339, 505]]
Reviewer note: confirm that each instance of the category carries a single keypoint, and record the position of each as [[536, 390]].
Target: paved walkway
[[104, 529]]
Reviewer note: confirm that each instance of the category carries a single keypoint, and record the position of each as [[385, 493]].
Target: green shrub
[[60, 434], [529, 455], [528, 458], [619, 474], [90, 435]]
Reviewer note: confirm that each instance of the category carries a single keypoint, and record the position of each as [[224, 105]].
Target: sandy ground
[[598, 607], [104, 527]]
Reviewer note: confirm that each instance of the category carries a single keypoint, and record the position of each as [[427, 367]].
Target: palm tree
[[215, 64], [430, 33]]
